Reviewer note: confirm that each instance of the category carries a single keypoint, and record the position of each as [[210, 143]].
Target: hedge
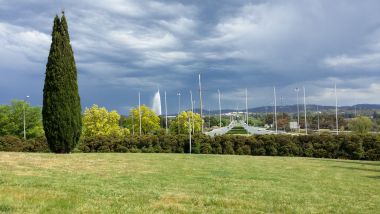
[[345, 146], [15, 144]]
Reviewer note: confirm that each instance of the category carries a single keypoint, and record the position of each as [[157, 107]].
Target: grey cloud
[[123, 47]]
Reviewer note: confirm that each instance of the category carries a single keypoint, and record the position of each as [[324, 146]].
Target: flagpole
[[140, 112], [304, 106], [166, 115], [275, 107]]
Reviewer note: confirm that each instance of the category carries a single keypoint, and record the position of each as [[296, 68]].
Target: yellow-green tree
[[360, 125], [97, 121], [181, 122], [150, 122]]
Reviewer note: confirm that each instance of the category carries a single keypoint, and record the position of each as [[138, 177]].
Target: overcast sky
[[122, 47]]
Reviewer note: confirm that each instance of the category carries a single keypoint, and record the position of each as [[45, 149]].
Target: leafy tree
[[61, 102], [255, 121], [6, 125], [183, 120], [214, 121], [12, 119], [360, 125], [150, 122], [283, 121], [99, 122]]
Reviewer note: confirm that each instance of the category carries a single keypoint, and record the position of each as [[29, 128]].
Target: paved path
[[250, 129], [258, 130], [222, 130]]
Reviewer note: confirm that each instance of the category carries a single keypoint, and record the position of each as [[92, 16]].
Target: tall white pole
[[192, 110], [319, 131], [275, 107], [166, 115], [179, 102], [246, 105], [179, 110], [133, 123], [24, 120], [140, 112], [220, 110], [25, 101], [272, 104], [193, 119], [298, 110], [304, 106], [336, 111], [190, 135], [200, 99]]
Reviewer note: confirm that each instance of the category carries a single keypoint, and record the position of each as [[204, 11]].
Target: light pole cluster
[[192, 102]]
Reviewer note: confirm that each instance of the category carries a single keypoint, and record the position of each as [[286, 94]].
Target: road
[[250, 129]]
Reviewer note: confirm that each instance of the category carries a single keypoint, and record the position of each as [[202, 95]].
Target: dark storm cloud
[[123, 47]]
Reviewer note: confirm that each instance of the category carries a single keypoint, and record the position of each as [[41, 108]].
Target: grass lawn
[[237, 130], [182, 183]]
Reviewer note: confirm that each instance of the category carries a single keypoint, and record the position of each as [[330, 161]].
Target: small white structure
[[293, 125]]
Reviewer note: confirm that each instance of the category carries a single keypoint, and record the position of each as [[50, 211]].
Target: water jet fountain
[[156, 107]]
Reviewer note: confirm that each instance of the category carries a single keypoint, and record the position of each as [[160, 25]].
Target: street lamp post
[[26, 99]]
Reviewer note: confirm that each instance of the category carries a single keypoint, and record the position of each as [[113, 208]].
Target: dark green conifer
[[61, 102]]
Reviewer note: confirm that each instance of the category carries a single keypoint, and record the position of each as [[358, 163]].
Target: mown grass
[[237, 130], [182, 183]]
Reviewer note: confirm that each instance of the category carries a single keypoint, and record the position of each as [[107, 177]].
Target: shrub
[[228, 147], [11, 144], [206, 148], [347, 146], [15, 144]]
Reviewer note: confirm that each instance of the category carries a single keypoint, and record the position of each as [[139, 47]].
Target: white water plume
[[156, 107]]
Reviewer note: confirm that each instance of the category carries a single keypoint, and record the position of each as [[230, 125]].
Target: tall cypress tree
[[61, 105]]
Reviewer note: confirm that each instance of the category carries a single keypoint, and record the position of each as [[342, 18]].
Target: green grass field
[[237, 130], [182, 183]]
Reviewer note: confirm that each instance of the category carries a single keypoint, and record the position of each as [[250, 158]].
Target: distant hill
[[293, 108]]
